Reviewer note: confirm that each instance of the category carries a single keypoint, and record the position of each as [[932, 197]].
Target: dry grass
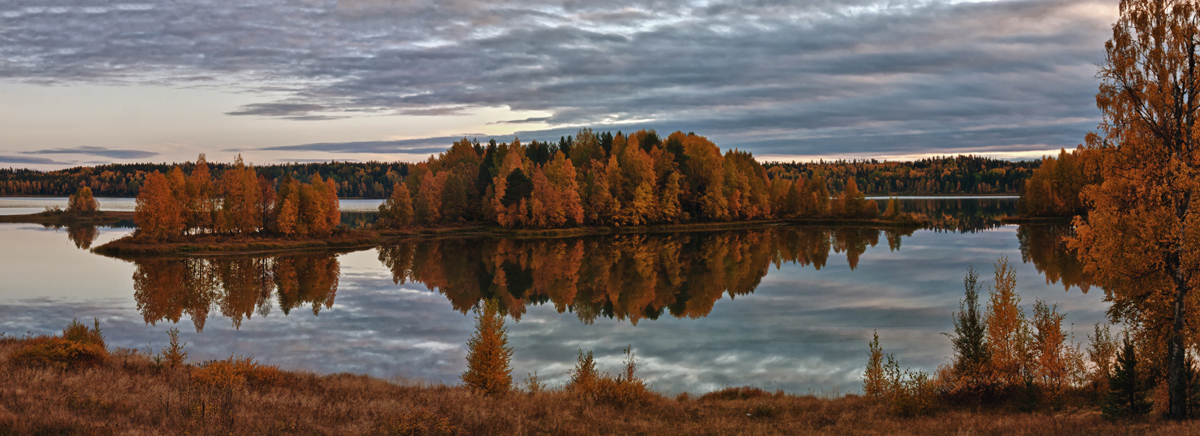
[[130, 394]]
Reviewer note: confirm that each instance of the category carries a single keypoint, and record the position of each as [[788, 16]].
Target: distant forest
[[950, 175]]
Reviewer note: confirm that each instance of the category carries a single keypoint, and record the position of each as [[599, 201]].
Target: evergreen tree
[[1127, 386], [970, 347]]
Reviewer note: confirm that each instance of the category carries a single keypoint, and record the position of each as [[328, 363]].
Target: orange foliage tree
[[488, 354], [1141, 237], [397, 210], [157, 214]]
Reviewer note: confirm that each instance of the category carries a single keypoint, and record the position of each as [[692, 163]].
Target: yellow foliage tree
[[82, 202], [1007, 330]]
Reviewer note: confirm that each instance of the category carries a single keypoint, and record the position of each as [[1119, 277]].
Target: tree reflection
[[82, 235], [624, 276], [1045, 246], [963, 215], [168, 288]]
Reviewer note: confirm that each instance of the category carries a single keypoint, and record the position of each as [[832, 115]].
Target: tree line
[[608, 180], [948, 175], [353, 179], [241, 202], [1054, 188], [944, 175]]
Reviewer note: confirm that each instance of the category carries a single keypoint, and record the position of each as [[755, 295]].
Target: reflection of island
[[167, 288], [626, 276], [1044, 245], [623, 276], [961, 214]]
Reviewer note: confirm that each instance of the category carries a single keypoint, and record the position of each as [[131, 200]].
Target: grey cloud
[[30, 160], [97, 151], [523, 121], [414, 146], [290, 111], [742, 73]]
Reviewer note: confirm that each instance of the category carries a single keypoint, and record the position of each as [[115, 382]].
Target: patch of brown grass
[[130, 394]]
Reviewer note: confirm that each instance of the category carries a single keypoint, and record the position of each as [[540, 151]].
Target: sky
[[86, 82]]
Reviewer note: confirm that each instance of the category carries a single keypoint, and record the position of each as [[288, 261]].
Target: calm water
[[779, 308]]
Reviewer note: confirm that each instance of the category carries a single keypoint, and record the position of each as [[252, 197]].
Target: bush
[[77, 332], [51, 350], [236, 371], [78, 347], [622, 390]]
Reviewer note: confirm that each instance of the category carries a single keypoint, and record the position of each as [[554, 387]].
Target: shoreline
[[65, 219], [206, 245]]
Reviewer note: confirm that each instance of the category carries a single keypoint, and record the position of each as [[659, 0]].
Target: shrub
[[77, 332], [78, 347], [623, 390], [235, 372], [50, 350]]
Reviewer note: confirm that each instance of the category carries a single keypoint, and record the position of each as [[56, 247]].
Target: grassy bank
[[60, 218], [128, 392]]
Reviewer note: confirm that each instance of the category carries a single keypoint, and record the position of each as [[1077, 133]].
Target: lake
[[787, 308]]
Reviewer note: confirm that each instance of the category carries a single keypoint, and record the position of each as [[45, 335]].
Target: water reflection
[[626, 277], [168, 288], [1045, 246], [962, 215], [84, 235]]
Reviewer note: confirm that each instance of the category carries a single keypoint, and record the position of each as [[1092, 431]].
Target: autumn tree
[[1141, 237], [1057, 363], [82, 202], [875, 382], [397, 210], [201, 197], [1007, 330], [488, 353], [157, 214], [240, 197]]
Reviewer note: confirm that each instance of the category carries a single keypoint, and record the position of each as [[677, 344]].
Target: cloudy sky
[[85, 82]]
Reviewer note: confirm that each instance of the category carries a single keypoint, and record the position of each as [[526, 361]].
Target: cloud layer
[[97, 151], [774, 77]]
